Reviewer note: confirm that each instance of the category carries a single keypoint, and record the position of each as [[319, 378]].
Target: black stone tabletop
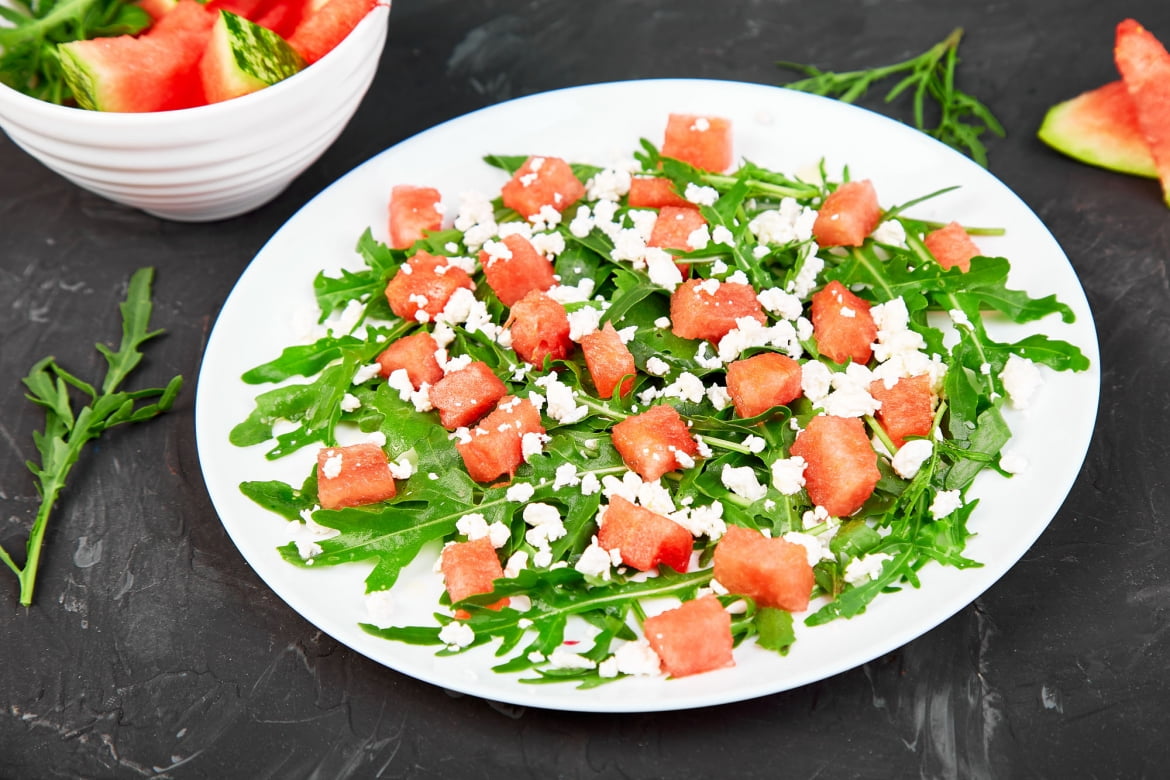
[[153, 650]]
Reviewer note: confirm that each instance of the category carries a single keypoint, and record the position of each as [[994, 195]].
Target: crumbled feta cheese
[[656, 366], [662, 270], [742, 481], [788, 475], [561, 404], [402, 468], [806, 278], [366, 373], [1020, 378], [910, 457], [946, 502], [566, 476], [662, 323], [456, 634], [520, 492], [701, 520], [532, 444], [866, 568], [814, 548], [590, 485], [686, 387], [705, 361], [700, 195], [890, 232], [634, 658], [783, 304], [350, 403], [608, 184], [563, 659], [595, 561], [755, 444], [473, 525], [331, 468], [959, 318], [815, 380], [721, 235], [517, 563], [718, 396], [1012, 462], [380, 608]]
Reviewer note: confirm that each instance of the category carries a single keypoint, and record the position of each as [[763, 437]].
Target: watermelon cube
[[463, 396], [321, 30], [353, 476], [650, 442], [470, 568], [673, 228], [907, 407], [848, 215], [702, 141], [540, 182], [841, 469], [609, 361], [422, 287], [416, 355], [513, 277], [643, 538], [772, 572], [762, 381], [708, 308], [413, 212], [494, 447], [1144, 64], [654, 192], [540, 329], [952, 247], [692, 638], [843, 328]]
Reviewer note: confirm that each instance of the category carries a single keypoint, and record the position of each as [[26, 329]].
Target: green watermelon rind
[[1076, 129], [79, 76], [250, 57]]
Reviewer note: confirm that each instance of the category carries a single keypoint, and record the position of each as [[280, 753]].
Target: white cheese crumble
[[890, 232], [866, 568], [520, 492], [350, 403], [946, 502], [331, 468], [634, 658], [564, 659], [1020, 378], [788, 475], [656, 366], [742, 481], [456, 634], [366, 373], [910, 457], [815, 550]]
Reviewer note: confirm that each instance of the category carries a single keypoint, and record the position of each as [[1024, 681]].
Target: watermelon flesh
[[243, 57], [1145, 68], [1100, 127]]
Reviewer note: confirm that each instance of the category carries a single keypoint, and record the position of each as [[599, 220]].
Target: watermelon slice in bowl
[[206, 162]]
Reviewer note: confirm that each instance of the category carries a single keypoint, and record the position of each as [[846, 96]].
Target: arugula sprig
[[29, 61], [962, 118], [68, 429]]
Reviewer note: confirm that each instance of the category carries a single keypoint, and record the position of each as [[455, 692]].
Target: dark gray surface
[[153, 650]]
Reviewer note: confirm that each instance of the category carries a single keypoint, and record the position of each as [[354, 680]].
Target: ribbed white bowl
[[211, 162]]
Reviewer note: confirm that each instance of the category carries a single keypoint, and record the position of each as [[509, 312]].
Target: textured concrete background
[[153, 650]]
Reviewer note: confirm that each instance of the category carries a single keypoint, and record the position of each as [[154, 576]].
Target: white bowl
[[210, 162]]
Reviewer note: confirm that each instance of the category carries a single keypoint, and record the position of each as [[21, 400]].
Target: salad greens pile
[[29, 61], [896, 530]]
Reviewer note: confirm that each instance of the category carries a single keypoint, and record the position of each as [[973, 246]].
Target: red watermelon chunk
[[708, 308], [654, 192], [841, 469], [643, 538], [608, 360], [673, 228], [762, 381], [495, 445], [848, 215], [540, 329], [952, 247], [692, 638], [353, 476], [772, 572], [413, 212], [416, 355], [649, 442], [283, 16], [540, 182], [424, 284], [907, 407], [702, 141], [526, 270], [463, 396], [322, 30], [470, 568], [842, 325], [1144, 64]]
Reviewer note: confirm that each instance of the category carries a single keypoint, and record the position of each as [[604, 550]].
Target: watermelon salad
[[195, 53], [640, 414]]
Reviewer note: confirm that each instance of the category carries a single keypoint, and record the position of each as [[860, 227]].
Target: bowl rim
[[21, 104]]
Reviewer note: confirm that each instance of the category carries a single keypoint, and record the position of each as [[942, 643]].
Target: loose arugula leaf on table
[[930, 76], [28, 43], [68, 428]]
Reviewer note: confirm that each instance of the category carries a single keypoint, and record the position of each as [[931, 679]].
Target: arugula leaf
[[67, 430]]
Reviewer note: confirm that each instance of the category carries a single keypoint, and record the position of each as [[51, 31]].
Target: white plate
[[774, 127]]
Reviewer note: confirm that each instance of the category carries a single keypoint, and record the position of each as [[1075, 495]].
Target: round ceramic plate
[[601, 124]]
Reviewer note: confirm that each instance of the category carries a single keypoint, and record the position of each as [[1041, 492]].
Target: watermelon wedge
[[1145, 68], [243, 57], [1100, 127]]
